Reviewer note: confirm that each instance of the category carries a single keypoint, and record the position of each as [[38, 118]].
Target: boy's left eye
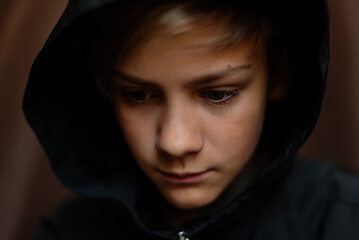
[[218, 96]]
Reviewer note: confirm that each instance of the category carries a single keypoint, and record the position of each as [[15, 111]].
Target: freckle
[[229, 66]]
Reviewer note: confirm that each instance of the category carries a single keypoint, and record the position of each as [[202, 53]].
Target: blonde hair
[[229, 26], [109, 34]]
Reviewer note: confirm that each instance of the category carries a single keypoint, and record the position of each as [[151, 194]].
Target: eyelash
[[228, 95]]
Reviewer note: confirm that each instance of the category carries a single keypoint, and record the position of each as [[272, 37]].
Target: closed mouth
[[185, 177]]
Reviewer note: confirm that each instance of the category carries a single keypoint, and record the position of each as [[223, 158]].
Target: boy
[[181, 119]]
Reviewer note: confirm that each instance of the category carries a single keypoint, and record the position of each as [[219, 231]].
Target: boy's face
[[192, 115]]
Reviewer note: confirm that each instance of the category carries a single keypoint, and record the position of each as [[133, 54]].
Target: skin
[[193, 116]]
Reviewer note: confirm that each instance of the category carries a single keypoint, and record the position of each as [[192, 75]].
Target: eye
[[218, 97], [137, 96]]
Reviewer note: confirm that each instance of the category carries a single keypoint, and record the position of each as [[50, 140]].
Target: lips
[[183, 178]]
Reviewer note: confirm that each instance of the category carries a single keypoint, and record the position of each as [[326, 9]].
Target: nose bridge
[[178, 131]]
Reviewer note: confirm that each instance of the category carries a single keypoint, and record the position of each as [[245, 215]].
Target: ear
[[281, 77]]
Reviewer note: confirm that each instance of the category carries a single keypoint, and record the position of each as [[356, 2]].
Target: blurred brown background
[[29, 190]]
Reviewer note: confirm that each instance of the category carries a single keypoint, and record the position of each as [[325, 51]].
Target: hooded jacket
[[288, 199]]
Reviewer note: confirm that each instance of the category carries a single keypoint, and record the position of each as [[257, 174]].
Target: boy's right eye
[[137, 96]]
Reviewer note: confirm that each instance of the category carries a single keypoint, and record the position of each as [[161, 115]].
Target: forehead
[[194, 43], [186, 56]]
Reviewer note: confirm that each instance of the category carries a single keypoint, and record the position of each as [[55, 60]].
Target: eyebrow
[[201, 80]]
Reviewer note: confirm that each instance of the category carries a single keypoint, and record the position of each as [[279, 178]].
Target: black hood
[[79, 132]]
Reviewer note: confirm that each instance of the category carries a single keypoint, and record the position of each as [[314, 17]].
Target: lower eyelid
[[228, 93], [226, 100]]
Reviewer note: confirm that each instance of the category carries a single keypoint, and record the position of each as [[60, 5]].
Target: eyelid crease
[[228, 84], [135, 82], [244, 72]]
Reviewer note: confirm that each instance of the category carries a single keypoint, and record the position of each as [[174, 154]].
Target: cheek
[[138, 131], [236, 135]]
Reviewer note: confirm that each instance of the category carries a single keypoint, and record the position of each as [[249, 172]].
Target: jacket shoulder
[[88, 219], [330, 195], [325, 180], [316, 201]]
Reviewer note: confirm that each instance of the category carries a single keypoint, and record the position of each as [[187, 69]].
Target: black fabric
[[314, 201], [78, 130]]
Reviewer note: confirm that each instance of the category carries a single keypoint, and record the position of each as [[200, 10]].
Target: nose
[[179, 132]]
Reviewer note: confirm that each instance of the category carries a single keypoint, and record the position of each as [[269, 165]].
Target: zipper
[[182, 236]]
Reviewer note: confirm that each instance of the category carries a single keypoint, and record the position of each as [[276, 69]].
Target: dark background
[[29, 190]]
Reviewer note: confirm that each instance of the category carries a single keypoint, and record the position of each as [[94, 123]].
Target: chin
[[189, 200]]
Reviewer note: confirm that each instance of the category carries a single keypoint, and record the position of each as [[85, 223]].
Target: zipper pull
[[182, 236]]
